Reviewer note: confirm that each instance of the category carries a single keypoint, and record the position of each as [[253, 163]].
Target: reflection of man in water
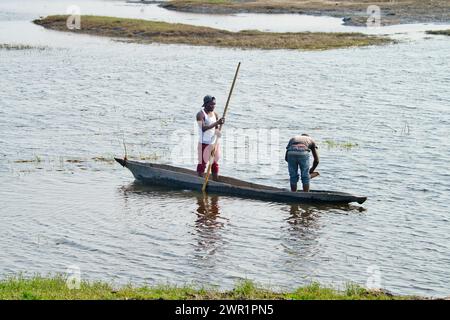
[[301, 216], [207, 210], [207, 226]]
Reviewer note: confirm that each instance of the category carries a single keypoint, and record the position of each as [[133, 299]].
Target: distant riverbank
[[57, 288], [354, 11], [145, 31]]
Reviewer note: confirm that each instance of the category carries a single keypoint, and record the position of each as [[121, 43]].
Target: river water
[[69, 102]]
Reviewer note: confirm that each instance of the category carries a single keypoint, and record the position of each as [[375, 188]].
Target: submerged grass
[[439, 32], [149, 157], [50, 288], [145, 31], [80, 162], [104, 159], [331, 144], [7, 46], [36, 159]]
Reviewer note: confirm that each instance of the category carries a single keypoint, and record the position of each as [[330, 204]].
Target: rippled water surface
[[68, 104]]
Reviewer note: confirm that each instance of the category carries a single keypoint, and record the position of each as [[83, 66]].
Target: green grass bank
[[51, 288], [144, 31]]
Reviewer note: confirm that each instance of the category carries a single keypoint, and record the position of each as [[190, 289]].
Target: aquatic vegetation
[[439, 32], [61, 163], [23, 161], [331, 144], [103, 159], [145, 31], [56, 287], [36, 159], [7, 46], [74, 161], [150, 157]]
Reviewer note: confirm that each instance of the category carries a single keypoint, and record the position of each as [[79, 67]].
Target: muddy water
[[380, 116]]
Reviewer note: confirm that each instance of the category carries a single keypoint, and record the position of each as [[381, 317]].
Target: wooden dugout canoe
[[180, 178]]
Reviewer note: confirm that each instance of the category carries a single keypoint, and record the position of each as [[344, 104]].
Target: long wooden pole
[[213, 152]]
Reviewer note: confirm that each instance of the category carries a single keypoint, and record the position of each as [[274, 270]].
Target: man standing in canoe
[[208, 123], [297, 156]]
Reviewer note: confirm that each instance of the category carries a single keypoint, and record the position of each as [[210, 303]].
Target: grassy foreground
[[392, 12], [50, 288], [145, 31]]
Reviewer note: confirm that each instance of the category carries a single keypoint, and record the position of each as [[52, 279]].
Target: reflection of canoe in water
[[179, 178]]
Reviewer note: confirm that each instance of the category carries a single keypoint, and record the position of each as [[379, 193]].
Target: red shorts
[[204, 156]]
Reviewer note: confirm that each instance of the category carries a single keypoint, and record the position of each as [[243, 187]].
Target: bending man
[[297, 156]]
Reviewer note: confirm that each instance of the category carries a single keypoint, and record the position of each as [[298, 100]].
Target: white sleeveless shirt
[[208, 136]]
